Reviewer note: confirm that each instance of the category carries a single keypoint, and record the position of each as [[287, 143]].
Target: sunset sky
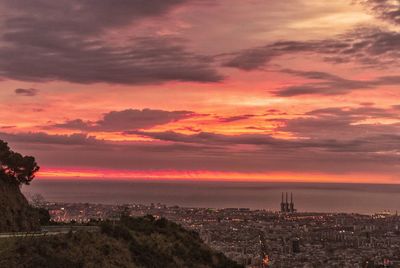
[[296, 90]]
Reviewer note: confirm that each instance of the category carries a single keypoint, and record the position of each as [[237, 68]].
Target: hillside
[[16, 170], [16, 214], [133, 242]]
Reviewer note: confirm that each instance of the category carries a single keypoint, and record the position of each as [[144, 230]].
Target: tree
[[15, 167]]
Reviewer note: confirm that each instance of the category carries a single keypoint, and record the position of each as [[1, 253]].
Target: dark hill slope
[[15, 212], [133, 242], [80, 249]]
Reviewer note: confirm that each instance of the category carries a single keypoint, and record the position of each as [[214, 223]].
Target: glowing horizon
[[204, 175]]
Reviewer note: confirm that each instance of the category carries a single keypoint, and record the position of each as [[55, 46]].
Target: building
[[287, 207]]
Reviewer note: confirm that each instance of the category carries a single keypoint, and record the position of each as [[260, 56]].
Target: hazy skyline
[[299, 90]]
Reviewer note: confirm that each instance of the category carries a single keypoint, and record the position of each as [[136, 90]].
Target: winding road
[[51, 230]]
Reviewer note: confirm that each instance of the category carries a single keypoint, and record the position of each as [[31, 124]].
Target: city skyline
[[254, 90]]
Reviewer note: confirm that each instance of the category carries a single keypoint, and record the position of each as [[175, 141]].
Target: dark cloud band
[[29, 92], [66, 40], [369, 47], [131, 119]]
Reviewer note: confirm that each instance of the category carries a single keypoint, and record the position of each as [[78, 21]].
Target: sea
[[308, 197]]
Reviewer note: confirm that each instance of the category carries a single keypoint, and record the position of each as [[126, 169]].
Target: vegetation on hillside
[[131, 242], [15, 212], [73, 250], [162, 243]]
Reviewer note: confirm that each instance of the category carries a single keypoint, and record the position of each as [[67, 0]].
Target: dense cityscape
[[261, 238]]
